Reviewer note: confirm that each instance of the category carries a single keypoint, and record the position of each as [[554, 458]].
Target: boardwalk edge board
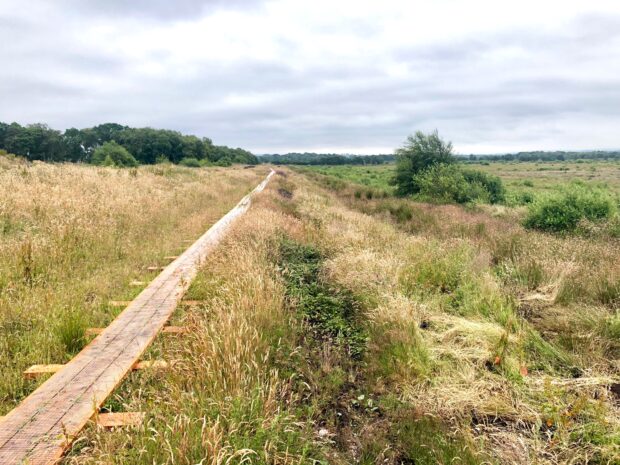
[[41, 427]]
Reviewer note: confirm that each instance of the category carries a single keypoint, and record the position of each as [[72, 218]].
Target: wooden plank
[[168, 330], [155, 268], [91, 332], [175, 330], [43, 425], [37, 370], [151, 365], [120, 419]]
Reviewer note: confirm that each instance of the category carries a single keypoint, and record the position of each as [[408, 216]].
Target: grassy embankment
[[339, 329], [557, 299], [74, 237]]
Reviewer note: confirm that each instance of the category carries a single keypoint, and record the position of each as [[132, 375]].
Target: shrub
[[161, 160], [224, 162], [190, 162], [112, 154], [451, 184], [562, 212], [492, 184], [420, 152]]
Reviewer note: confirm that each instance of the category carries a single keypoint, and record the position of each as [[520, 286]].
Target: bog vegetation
[[334, 331], [339, 323], [580, 197]]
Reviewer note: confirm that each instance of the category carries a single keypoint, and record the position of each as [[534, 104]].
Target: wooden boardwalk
[[42, 427]]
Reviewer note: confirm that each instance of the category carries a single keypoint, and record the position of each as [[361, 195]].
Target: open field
[[331, 327]]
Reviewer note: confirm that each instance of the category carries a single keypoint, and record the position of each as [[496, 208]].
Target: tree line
[[540, 155], [144, 145], [309, 158]]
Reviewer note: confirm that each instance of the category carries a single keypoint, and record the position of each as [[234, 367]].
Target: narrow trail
[[42, 427]]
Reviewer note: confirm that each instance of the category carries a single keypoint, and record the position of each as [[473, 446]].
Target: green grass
[[331, 312], [376, 177], [524, 181]]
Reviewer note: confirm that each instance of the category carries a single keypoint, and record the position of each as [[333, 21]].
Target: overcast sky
[[326, 75]]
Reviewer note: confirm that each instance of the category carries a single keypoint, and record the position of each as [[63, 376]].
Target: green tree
[[112, 154], [420, 152]]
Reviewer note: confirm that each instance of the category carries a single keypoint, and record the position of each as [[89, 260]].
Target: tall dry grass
[[73, 237], [226, 399]]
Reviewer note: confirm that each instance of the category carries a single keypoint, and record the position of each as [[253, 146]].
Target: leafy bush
[[420, 152], [112, 154], [225, 161], [451, 184], [492, 184], [563, 212], [190, 162]]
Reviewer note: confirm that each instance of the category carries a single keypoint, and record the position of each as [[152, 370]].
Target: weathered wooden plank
[[168, 330], [120, 419], [155, 268], [43, 425], [37, 370], [152, 365]]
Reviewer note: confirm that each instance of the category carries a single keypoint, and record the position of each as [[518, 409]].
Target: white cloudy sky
[[326, 75]]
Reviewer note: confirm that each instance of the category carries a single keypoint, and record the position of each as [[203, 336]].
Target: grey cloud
[[162, 10], [451, 85]]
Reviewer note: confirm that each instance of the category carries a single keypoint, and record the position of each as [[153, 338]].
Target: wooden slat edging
[[42, 426], [168, 330], [124, 303], [37, 370], [175, 330], [151, 365], [120, 419]]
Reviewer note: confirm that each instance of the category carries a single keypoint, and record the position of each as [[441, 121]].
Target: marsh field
[[337, 323], [519, 177]]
